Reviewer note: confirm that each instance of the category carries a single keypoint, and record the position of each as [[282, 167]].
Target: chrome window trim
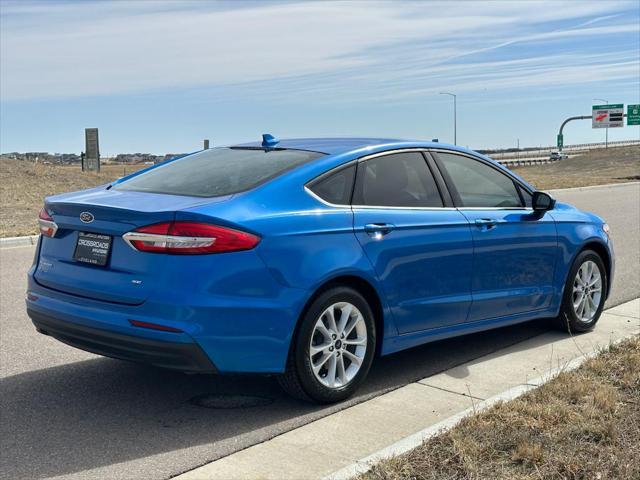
[[364, 158], [321, 200], [379, 207], [382, 207], [370, 207], [494, 208]]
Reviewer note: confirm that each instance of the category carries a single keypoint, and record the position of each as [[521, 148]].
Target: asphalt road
[[72, 414]]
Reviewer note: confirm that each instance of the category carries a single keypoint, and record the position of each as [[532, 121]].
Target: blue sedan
[[307, 258]]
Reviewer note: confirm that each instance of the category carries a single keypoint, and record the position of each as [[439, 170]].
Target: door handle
[[378, 229], [486, 222]]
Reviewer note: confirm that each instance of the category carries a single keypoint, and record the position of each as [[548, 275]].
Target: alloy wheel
[[338, 345], [587, 291]]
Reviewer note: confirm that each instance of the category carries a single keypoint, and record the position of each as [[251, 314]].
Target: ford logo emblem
[[86, 217]]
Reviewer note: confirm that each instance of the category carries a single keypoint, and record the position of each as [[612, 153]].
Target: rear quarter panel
[[304, 243]]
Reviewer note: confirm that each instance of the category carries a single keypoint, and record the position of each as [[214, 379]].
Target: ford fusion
[[309, 258]]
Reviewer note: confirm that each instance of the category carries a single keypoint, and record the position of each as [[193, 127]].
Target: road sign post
[[633, 114]]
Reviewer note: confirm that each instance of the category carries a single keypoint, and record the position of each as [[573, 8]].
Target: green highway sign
[[608, 106], [560, 141], [633, 114]]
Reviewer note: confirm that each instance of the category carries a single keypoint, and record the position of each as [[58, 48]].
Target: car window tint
[[528, 198], [336, 187], [479, 185], [217, 172], [396, 180]]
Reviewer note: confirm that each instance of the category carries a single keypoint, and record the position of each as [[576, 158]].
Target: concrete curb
[[10, 242], [412, 441], [399, 420]]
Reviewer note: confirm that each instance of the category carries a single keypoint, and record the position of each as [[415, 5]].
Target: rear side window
[[336, 187], [479, 185], [396, 180], [217, 172]]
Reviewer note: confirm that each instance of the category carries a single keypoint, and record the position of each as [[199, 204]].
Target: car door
[[420, 247], [515, 248]]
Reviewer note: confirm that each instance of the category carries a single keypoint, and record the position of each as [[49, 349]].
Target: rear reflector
[[48, 227], [154, 326], [189, 238]]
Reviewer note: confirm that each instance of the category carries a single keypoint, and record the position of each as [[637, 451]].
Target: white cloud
[[52, 51]]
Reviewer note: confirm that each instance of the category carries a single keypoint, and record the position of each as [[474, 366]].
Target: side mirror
[[542, 202]]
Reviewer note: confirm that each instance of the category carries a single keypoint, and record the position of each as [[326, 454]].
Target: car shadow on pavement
[[102, 412]]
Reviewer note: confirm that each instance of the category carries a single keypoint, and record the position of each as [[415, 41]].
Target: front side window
[[479, 185], [396, 180], [218, 171]]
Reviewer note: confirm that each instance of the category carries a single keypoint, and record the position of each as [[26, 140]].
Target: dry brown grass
[[597, 167], [23, 186], [583, 424]]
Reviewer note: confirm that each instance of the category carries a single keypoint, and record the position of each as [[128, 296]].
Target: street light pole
[[606, 133], [455, 112]]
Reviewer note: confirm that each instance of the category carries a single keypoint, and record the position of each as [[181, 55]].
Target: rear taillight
[[189, 238], [48, 227]]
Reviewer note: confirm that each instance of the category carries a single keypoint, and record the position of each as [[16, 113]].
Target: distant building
[[72, 158], [143, 158]]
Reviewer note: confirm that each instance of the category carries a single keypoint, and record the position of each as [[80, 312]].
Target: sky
[[161, 76]]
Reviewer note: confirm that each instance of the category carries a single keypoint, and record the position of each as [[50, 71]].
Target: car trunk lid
[[129, 276]]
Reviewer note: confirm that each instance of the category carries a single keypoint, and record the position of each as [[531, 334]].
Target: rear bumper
[[186, 357], [236, 334]]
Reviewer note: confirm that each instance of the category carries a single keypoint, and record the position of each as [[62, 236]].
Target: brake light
[[48, 227], [189, 238]]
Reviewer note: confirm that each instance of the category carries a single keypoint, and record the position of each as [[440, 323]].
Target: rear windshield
[[217, 172]]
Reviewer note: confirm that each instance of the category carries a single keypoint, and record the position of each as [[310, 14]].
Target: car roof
[[331, 145], [336, 146]]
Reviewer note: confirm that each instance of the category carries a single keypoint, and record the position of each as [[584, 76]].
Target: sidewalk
[[336, 442]]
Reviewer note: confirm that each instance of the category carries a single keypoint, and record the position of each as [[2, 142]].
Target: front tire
[[584, 293], [334, 347]]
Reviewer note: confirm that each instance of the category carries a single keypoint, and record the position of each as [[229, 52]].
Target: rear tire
[[584, 293], [333, 349]]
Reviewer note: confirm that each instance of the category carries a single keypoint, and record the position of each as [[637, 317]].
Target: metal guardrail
[[541, 156], [539, 152], [592, 146], [525, 162]]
